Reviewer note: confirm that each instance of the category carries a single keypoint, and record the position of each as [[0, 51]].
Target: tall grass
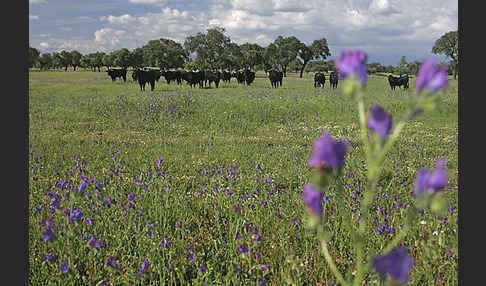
[[205, 165]]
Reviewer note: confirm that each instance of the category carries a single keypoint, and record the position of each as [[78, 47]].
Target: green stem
[[396, 239], [329, 260]]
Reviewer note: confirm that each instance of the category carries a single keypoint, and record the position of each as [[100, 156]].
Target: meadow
[[203, 186]]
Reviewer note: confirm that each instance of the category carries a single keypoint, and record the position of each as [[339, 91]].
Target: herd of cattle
[[206, 78]]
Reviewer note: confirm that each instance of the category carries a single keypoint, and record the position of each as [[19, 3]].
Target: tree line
[[214, 50]]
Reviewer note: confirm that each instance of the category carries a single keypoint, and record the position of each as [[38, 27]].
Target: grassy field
[[185, 178]]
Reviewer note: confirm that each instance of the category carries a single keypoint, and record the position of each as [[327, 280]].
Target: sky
[[385, 29]]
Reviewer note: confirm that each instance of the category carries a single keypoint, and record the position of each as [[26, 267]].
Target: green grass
[[198, 134]]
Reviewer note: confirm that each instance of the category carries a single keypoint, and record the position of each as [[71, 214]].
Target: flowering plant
[[378, 132]]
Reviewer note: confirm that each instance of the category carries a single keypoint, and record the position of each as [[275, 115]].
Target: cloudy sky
[[385, 29]]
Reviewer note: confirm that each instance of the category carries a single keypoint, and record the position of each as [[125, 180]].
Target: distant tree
[[251, 55], [287, 50], [413, 67], [270, 58], [374, 67], [33, 56], [232, 58], [122, 58], [137, 58], [56, 60], [45, 61], [108, 60], [317, 50], [75, 59], [448, 45], [66, 59], [296, 66], [163, 53], [389, 69], [402, 66], [209, 49], [190, 65]]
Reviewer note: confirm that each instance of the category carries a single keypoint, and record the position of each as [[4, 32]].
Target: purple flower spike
[[431, 181], [396, 263], [431, 76], [111, 261], [379, 121], [76, 215], [64, 267], [330, 151], [352, 62], [313, 199], [144, 267], [49, 257], [46, 235], [82, 186]]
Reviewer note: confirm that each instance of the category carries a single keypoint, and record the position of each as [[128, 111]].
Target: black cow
[[213, 77], [147, 76], [226, 76], [249, 76], [240, 77], [333, 79], [173, 76], [398, 81], [319, 79], [115, 73], [193, 78], [275, 77]]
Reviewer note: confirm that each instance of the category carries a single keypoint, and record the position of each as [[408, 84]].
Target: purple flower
[[313, 199], [203, 267], [190, 257], [77, 214], [144, 267], [330, 151], [352, 62], [64, 267], [379, 121], [243, 249], [82, 186], [111, 261], [46, 235], [396, 263], [164, 242], [49, 257], [431, 76], [264, 266], [49, 223], [431, 181]]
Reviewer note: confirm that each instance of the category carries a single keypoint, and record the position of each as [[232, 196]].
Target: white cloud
[[108, 37], [44, 45], [33, 17]]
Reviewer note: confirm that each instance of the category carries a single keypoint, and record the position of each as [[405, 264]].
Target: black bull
[[117, 73], [398, 81], [319, 79], [275, 78], [146, 76], [333, 79]]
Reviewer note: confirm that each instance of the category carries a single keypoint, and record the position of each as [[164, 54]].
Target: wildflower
[[144, 267], [243, 249], [82, 186], [111, 261], [313, 199], [352, 62], [64, 267], [330, 151], [431, 76], [164, 242], [431, 181], [76, 214], [203, 267], [379, 121], [49, 257], [46, 235], [396, 264]]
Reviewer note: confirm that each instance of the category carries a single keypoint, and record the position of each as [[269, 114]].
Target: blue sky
[[385, 29]]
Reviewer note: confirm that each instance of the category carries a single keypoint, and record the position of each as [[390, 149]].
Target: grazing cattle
[[249, 76], [213, 77], [275, 77], [147, 76], [115, 73], [333, 79], [398, 81], [173, 76], [240, 77], [193, 78], [226, 76], [319, 79]]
